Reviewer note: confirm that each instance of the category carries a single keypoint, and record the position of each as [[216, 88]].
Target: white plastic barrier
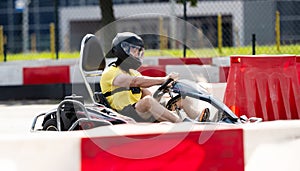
[[216, 89], [221, 61], [272, 145], [276, 156], [198, 73], [11, 75], [45, 151]]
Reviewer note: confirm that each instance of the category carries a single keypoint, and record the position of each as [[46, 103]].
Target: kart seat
[[91, 64], [92, 56]]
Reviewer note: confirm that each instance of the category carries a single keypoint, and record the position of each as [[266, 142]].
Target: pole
[[25, 26], [173, 24], [33, 42], [161, 47], [185, 27], [52, 39], [1, 44], [5, 48], [253, 44], [220, 40], [56, 29], [277, 30]]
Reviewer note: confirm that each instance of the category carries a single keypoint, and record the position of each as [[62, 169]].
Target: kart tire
[[50, 125]]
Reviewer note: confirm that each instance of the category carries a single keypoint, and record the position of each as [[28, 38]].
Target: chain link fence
[[228, 25]]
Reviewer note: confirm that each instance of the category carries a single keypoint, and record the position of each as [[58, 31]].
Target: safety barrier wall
[[298, 66], [12, 72], [199, 149], [40, 151], [196, 69], [271, 145], [31, 79], [46, 75], [45, 71], [64, 73], [264, 86], [185, 61]]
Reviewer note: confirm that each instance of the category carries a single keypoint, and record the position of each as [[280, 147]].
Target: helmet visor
[[132, 50]]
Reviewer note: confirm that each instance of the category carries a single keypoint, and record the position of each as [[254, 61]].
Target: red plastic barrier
[[153, 71], [46, 75], [223, 73], [181, 61], [222, 151], [298, 67], [264, 86]]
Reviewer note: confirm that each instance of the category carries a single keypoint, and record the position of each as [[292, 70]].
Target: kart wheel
[[50, 125]]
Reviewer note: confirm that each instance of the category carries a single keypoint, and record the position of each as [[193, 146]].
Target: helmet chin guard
[[130, 62]]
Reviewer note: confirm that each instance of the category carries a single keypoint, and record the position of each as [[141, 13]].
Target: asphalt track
[[16, 116]]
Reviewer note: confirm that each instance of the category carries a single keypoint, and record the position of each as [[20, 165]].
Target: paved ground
[[16, 116]]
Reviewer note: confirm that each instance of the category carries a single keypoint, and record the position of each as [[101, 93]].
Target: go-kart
[[74, 114]]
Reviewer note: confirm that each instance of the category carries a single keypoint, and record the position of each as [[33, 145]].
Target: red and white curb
[[273, 145]]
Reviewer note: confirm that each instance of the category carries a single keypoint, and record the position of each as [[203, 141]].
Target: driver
[[126, 89]]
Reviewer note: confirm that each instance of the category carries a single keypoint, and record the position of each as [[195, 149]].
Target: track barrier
[[222, 150], [46, 75], [263, 146], [184, 61], [59, 76], [154, 71], [264, 86], [223, 73], [298, 67]]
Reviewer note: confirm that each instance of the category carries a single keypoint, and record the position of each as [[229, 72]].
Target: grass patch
[[41, 55], [227, 51]]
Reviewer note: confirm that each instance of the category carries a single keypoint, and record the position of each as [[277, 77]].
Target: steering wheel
[[161, 90]]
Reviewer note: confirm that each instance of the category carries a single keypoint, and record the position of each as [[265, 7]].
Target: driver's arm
[[124, 80], [146, 92]]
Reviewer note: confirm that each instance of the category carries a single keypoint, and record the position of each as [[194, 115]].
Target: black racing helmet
[[121, 48], [121, 44]]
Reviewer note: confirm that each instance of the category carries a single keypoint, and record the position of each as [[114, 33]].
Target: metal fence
[[225, 24]]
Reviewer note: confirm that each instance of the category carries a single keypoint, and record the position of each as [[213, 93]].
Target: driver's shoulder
[[111, 71]]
